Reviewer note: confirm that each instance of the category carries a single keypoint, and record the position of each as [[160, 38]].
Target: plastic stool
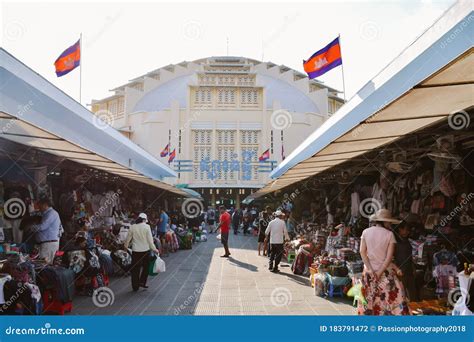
[[335, 290], [51, 304]]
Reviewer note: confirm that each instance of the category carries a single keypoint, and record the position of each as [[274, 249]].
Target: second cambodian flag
[[324, 60]]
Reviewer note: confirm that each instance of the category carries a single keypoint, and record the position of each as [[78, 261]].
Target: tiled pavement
[[199, 282]]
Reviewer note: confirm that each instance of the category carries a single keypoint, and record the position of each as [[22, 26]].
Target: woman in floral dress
[[383, 291]]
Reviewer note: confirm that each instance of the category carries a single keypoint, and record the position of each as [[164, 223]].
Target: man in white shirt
[[142, 243], [278, 234]]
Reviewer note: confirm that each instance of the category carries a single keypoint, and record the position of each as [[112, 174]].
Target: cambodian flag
[[68, 60], [165, 151], [324, 60], [172, 156], [265, 156]]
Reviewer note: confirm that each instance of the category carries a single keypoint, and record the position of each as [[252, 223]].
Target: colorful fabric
[[77, 260], [445, 278], [301, 263], [165, 151], [445, 256], [384, 297], [265, 156], [324, 60], [68, 60], [172, 156]]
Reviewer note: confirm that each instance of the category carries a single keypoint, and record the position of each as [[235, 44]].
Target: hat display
[[384, 215], [398, 167], [445, 151], [445, 157]]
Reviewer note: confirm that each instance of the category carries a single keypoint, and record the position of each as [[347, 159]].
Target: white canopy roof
[[35, 113]]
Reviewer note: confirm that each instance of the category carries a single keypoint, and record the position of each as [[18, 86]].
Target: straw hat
[[384, 215], [398, 167], [444, 157]]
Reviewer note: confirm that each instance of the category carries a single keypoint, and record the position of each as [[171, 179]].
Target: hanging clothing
[[3, 279], [378, 194], [445, 278], [59, 278], [446, 256], [35, 291], [416, 207], [355, 204]]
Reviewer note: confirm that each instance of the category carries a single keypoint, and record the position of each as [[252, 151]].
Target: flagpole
[[342, 69], [80, 70]]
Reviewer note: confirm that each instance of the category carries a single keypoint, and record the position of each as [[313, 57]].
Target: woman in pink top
[[383, 291]]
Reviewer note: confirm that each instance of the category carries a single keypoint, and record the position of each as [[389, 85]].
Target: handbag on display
[[431, 221]]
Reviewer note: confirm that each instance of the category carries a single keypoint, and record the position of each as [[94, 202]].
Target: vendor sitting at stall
[[48, 231]]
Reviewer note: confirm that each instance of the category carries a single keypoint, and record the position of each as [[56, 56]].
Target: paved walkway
[[199, 282]]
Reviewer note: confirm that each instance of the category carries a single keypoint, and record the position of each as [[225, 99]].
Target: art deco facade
[[220, 114]]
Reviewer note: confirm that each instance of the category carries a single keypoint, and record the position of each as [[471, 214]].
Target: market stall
[[70, 187], [404, 142]]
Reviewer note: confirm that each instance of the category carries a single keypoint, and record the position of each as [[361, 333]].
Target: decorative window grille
[[207, 79], [225, 153], [226, 80], [121, 106], [226, 96], [112, 107], [249, 141], [226, 137], [249, 96], [249, 137], [246, 80], [201, 151], [203, 96], [138, 86]]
